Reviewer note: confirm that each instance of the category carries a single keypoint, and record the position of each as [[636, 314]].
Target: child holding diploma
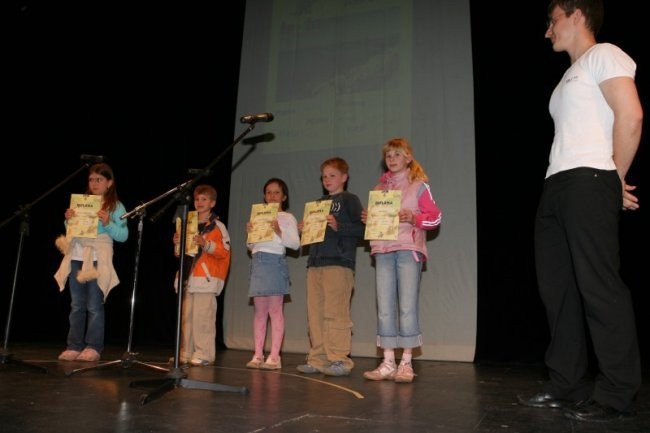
[[205, 275], [88, 267], [398, 263], [330, 276], [269, 276]]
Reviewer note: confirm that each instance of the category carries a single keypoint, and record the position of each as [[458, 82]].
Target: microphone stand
[[5, 356], [129, 357], [176, 377]]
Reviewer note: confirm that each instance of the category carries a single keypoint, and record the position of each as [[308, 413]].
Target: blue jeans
[[398, 277], [86, 313]]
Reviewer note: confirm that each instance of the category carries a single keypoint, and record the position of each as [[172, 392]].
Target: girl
[[398, 263], [269, 279], [88, 266]]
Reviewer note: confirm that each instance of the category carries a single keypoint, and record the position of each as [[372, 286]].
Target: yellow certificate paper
[[84, 222], [383, 215], [315, 221], [191, 249], [262, 215]]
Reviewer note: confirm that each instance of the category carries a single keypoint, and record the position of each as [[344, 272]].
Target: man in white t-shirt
[[597, 116]]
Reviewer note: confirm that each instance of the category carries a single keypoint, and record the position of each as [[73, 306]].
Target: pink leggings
[[268, 307]]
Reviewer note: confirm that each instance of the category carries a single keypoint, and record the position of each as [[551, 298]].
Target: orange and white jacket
[[210, 267]]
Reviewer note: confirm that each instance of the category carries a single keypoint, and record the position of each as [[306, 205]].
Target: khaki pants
[[198, 326], [329, 291]]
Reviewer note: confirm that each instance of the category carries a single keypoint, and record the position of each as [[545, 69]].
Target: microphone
[[91, 158], [253, 118]]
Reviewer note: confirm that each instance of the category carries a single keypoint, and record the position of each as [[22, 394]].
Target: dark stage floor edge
[[141, 392]]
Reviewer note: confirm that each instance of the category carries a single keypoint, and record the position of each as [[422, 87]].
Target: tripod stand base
[[176, 378], [8, 358], [127, 360]]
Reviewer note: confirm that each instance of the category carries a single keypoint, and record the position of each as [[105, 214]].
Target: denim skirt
[[269, 275]]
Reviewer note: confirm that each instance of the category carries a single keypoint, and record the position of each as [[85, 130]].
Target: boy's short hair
[[338, 163], [207, 190]]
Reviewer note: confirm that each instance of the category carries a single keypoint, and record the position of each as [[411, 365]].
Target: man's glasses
[[553, 20]]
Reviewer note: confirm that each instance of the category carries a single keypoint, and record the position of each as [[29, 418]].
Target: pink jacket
[[417, 197]]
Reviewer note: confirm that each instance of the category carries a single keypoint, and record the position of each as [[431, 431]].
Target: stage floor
[[45, 395]]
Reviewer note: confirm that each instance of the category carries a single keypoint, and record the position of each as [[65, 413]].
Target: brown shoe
[[69, 355], [89, 355]]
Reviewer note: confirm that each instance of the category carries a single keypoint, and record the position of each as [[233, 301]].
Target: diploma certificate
[[262, 215], [191, 249], [315, 221], [84, 222], [383, 215]]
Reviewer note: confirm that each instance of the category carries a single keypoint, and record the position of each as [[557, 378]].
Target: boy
[[206, 272], [330, 277]]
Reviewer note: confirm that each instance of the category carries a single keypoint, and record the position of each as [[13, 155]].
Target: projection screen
[[341, 78]]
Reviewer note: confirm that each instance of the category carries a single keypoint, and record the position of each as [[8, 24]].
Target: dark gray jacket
[[339, 247]]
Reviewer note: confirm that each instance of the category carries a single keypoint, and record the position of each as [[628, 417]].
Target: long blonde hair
[[401, 145]]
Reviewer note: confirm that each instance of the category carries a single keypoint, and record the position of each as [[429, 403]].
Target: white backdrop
[[342, 77]]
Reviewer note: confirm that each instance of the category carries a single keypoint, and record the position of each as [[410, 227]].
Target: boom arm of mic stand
[[227, 149], [143, 206], [24, 209], [187, 185]]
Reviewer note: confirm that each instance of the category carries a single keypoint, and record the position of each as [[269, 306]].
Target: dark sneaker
[[543, 399], [336, 368], [592, 411], [307, 368]]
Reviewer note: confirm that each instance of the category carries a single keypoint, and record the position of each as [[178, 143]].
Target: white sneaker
[[385, 371], [404, 373], [69, 355], [255, 362], [271, 364]]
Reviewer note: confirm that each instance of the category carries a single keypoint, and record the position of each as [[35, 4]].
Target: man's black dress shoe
[[592, 411], [542, 399]]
